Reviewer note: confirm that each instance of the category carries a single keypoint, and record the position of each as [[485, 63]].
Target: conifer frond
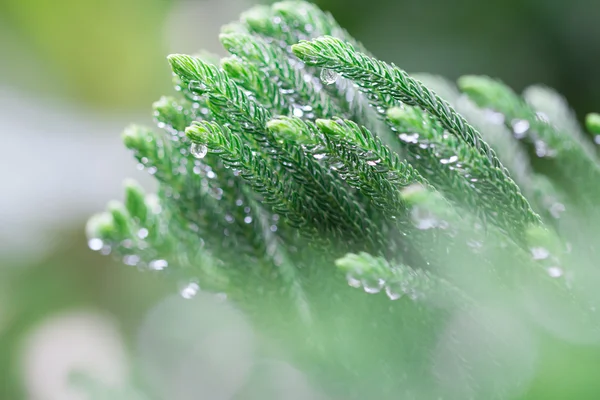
[[284, 160], [551, 106], [293, 83], [544, 197], [398, 280], [547, 140], [378, 77], [288, 22], [249, 77], [361, 166], [459, 171]]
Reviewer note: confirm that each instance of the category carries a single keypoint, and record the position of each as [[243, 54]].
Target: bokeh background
[[73, 73]]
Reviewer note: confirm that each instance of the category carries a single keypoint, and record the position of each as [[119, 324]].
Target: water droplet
[[95, 244], [248, 220], [297, 112], [352, 281], [273, 228], [189, 290], [158, 265], [211, 175], [372, 286], [542, 116], [328, 76], [450, 160], [494, 117], [229, 218], [196, 87], [319, 156], [539, 253], [423, 220], [143, 233], [556, 209], [152, 170], [373, 162], [555, 272], [520, 128], [543, 150], [198, 150], [409, 138], [131, 259], [394, 291], [105, 250]]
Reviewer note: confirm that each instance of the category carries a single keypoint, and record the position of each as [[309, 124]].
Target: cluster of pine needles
[[304, 178]]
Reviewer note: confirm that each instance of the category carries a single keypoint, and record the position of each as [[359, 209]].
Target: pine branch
[[298, 87], [289, 22], [249, 77], [284, 157], [543, 195], [547, 140], [377, 76], [398, 280], [551, 106]]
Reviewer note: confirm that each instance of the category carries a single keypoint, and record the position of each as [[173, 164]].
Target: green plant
[[300, 168]]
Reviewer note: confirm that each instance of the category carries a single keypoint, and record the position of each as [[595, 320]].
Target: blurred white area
[[60, 163], [195, 25], [201, 347], [277, 380], [74, 342], [485, 352], [197, 348]]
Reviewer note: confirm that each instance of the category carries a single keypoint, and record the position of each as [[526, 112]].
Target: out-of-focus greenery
[[106, 53], [69, 278], [553, 42]]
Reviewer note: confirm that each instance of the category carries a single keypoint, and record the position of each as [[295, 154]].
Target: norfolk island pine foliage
[[392, 236]]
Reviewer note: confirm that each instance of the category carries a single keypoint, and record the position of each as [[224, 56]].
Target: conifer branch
[[547, 140], [284, 160], [460, 172], [377, 76], [297, 86], [249, 77], [398, 280]]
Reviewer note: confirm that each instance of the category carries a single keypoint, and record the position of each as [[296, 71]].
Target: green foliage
[[296, 170]]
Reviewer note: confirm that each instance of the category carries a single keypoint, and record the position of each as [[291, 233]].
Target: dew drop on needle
[[328, 77], [198, 150]]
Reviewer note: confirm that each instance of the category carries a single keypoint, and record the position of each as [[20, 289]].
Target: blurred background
[[73, 73]]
